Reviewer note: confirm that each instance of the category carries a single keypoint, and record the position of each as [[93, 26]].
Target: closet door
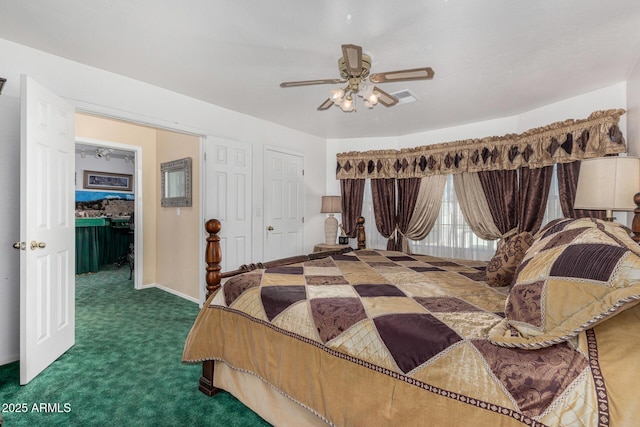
[[283, 204], [228, 197]]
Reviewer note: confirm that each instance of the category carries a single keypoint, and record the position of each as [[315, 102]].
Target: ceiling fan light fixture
[[336, 95], [365, 89], [347, 104], [354, 67], [372, 99]]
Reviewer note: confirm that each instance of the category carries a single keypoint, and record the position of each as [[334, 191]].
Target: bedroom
[[136, 101]]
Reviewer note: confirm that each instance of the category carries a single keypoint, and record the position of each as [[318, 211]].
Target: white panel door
[[228, 197], [283, 200], [47, 229]]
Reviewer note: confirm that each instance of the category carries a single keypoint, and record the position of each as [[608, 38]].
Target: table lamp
[[331, 205], [608, 183]]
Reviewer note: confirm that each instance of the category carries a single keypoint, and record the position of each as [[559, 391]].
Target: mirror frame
[[176, 165]]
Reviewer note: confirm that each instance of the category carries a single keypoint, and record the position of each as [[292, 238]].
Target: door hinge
[[302, 172], [303, 220]]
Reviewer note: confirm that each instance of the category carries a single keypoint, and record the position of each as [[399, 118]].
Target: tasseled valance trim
[[560, 142]]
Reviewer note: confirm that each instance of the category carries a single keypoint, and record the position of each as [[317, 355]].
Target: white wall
[[10, 232], [633, 111], [578, 107], [93, 90]]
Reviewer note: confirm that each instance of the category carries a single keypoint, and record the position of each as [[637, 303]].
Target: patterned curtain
[[408, 189], [500, 188], [533, 193], [560, 142], [352, 192], [567, 183], [383, 193]]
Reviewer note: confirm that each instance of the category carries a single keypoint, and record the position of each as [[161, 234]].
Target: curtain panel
[[500, 187], [560, 142], [534, 185], [383, 192], [408, 191], [352, 195], [426, 210], [474, 206], [567, 183]]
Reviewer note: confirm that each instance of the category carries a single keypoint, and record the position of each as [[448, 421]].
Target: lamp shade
[[331, 204], [608, 183]]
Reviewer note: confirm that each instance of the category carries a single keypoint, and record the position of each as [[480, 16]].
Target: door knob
[[34, 245], [270, 228], [19, 245]]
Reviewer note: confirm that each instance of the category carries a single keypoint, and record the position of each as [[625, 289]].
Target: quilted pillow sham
[[501, 268], [575, 275]]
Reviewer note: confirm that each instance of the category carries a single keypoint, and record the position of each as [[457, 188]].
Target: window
[[451, 237], [554, 208]]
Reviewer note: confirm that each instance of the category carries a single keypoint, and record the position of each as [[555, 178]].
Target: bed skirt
[[273, 406]]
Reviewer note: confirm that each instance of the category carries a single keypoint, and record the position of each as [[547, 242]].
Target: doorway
[[158, 230], [116, 209], [138, 139]]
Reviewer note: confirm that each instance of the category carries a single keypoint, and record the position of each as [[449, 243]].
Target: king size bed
[[382, 338]]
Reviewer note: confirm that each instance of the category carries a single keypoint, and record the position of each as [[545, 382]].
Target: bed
[[380, 338]]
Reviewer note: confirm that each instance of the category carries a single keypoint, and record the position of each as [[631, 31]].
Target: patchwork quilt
[[379, 337]]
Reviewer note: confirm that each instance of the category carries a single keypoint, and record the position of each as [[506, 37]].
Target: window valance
[[560, 142]]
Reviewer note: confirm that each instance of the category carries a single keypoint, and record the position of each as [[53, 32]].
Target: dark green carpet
[[125, 369]]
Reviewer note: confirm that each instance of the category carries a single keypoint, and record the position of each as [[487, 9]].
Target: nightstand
[[323, 247]]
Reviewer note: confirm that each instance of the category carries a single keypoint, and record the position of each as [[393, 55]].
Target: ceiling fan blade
[[325, 105], [312, 82], [384, 98], [352, 55], [425, 73]]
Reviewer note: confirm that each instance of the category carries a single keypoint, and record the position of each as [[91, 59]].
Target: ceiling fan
[[354, 67]]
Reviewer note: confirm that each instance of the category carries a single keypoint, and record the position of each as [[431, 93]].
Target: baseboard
[[171, 291], [9, 359]]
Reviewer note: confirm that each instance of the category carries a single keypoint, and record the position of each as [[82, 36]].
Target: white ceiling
[[114, 153], [492, 58]]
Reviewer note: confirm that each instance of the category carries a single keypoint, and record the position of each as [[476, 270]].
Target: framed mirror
[[175, 177]]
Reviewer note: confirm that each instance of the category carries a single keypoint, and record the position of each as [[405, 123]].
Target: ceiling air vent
[[404, 96]]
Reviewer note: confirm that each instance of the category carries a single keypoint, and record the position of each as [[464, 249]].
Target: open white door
[[47, 229], [283, 204]]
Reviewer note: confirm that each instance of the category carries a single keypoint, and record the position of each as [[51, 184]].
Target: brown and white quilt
[[385, 338]]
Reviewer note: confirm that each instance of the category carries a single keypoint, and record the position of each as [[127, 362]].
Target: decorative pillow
[[552, 227], [570, 280], [510, 252]]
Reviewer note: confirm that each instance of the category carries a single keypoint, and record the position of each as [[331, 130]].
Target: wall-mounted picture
[[94, 180]]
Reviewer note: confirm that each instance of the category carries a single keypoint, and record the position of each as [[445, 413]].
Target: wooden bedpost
[[213, 257], [361, 235], [213, 278]]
